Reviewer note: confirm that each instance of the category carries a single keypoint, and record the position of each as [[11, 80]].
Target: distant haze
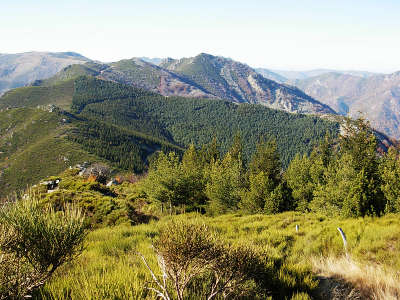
[[283, 35]]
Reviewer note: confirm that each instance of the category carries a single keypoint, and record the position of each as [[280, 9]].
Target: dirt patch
[[336, 289]]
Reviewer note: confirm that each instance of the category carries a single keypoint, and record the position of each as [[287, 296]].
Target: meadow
[[110, 267]]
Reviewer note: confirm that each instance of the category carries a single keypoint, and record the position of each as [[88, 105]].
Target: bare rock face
[[377, 97], [231, 80], [18, 70], [203, 76], [148, 76]]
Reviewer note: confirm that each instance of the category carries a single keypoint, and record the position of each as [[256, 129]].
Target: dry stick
[[164, 294], [344, 240]]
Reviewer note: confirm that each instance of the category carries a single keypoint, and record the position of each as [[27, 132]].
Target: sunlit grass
[[110, 269]]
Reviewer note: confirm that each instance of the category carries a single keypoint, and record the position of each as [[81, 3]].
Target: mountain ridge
[[378, 97], [20, 69]]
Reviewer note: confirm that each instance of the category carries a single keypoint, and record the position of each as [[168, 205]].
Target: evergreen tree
[[390, 185], [236, 149], [260, 188], [192, 169], [210, 152], [279, 200], [165, 182], [266, 159], [224, 182], [299, 178]]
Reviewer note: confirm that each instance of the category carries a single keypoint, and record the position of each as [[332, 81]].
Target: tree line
[[343, 176]]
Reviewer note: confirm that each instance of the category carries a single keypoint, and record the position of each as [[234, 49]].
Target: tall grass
[[372, 281], [110, 269]]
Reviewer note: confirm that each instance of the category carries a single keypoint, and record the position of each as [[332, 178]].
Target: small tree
[[34, 242], [253, 199], [188, 251], [266, 159], [224, 182], [390, 174]]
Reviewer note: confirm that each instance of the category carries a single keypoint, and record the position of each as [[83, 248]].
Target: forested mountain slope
[[123, 125], [237, 82]]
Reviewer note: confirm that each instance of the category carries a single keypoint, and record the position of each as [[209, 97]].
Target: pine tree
[[390, 185], [266, 159], [224, 183], [192, 170], [299, 178], [260, 188], [210, 152]]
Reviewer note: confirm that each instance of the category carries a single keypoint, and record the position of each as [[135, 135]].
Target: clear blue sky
[[283, 34]]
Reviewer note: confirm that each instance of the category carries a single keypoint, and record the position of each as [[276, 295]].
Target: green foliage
[[91, 90], [109, 267], [303, 176], [59, 94], [390, 173], [127, 149], [351, 181], [33, 147], [125, 126], [279, 200], [254, 199], [224, 182], [101, 205], [173, 183], [34, 242], [198, 121]]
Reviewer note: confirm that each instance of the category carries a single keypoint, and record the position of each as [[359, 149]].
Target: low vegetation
[[110, 267], [34, 242]]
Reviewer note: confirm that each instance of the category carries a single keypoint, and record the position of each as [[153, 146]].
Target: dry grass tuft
[[372, 281]]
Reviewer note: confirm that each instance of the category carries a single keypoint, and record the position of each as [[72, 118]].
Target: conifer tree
[[390, 185], [210, 152], [299, 178], [224, 183], [266, 159]]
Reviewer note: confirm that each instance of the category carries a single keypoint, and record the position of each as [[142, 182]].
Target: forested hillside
[[36, 143], [185, 120], [125, 126]]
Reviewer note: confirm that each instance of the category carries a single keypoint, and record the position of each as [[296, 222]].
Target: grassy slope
[[109, 268], [59, 94], [34, 147], [71, 72], [39, 144]]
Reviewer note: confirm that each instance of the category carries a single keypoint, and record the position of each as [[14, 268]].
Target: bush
[[34, 242], [190, 254]]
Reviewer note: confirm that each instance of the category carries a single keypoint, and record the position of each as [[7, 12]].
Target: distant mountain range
[[284, 76], [231, 80], [202, 76], [206, 76], [20, 69], [377, 97]]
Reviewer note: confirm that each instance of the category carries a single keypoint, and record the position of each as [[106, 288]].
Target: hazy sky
[[283, 34]]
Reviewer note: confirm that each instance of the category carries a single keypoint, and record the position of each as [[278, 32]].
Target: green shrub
[[34, 242]]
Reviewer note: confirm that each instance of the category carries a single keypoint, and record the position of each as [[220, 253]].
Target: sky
[[279, 34]]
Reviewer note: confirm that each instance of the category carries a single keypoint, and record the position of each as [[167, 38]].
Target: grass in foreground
[[110, 269]]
